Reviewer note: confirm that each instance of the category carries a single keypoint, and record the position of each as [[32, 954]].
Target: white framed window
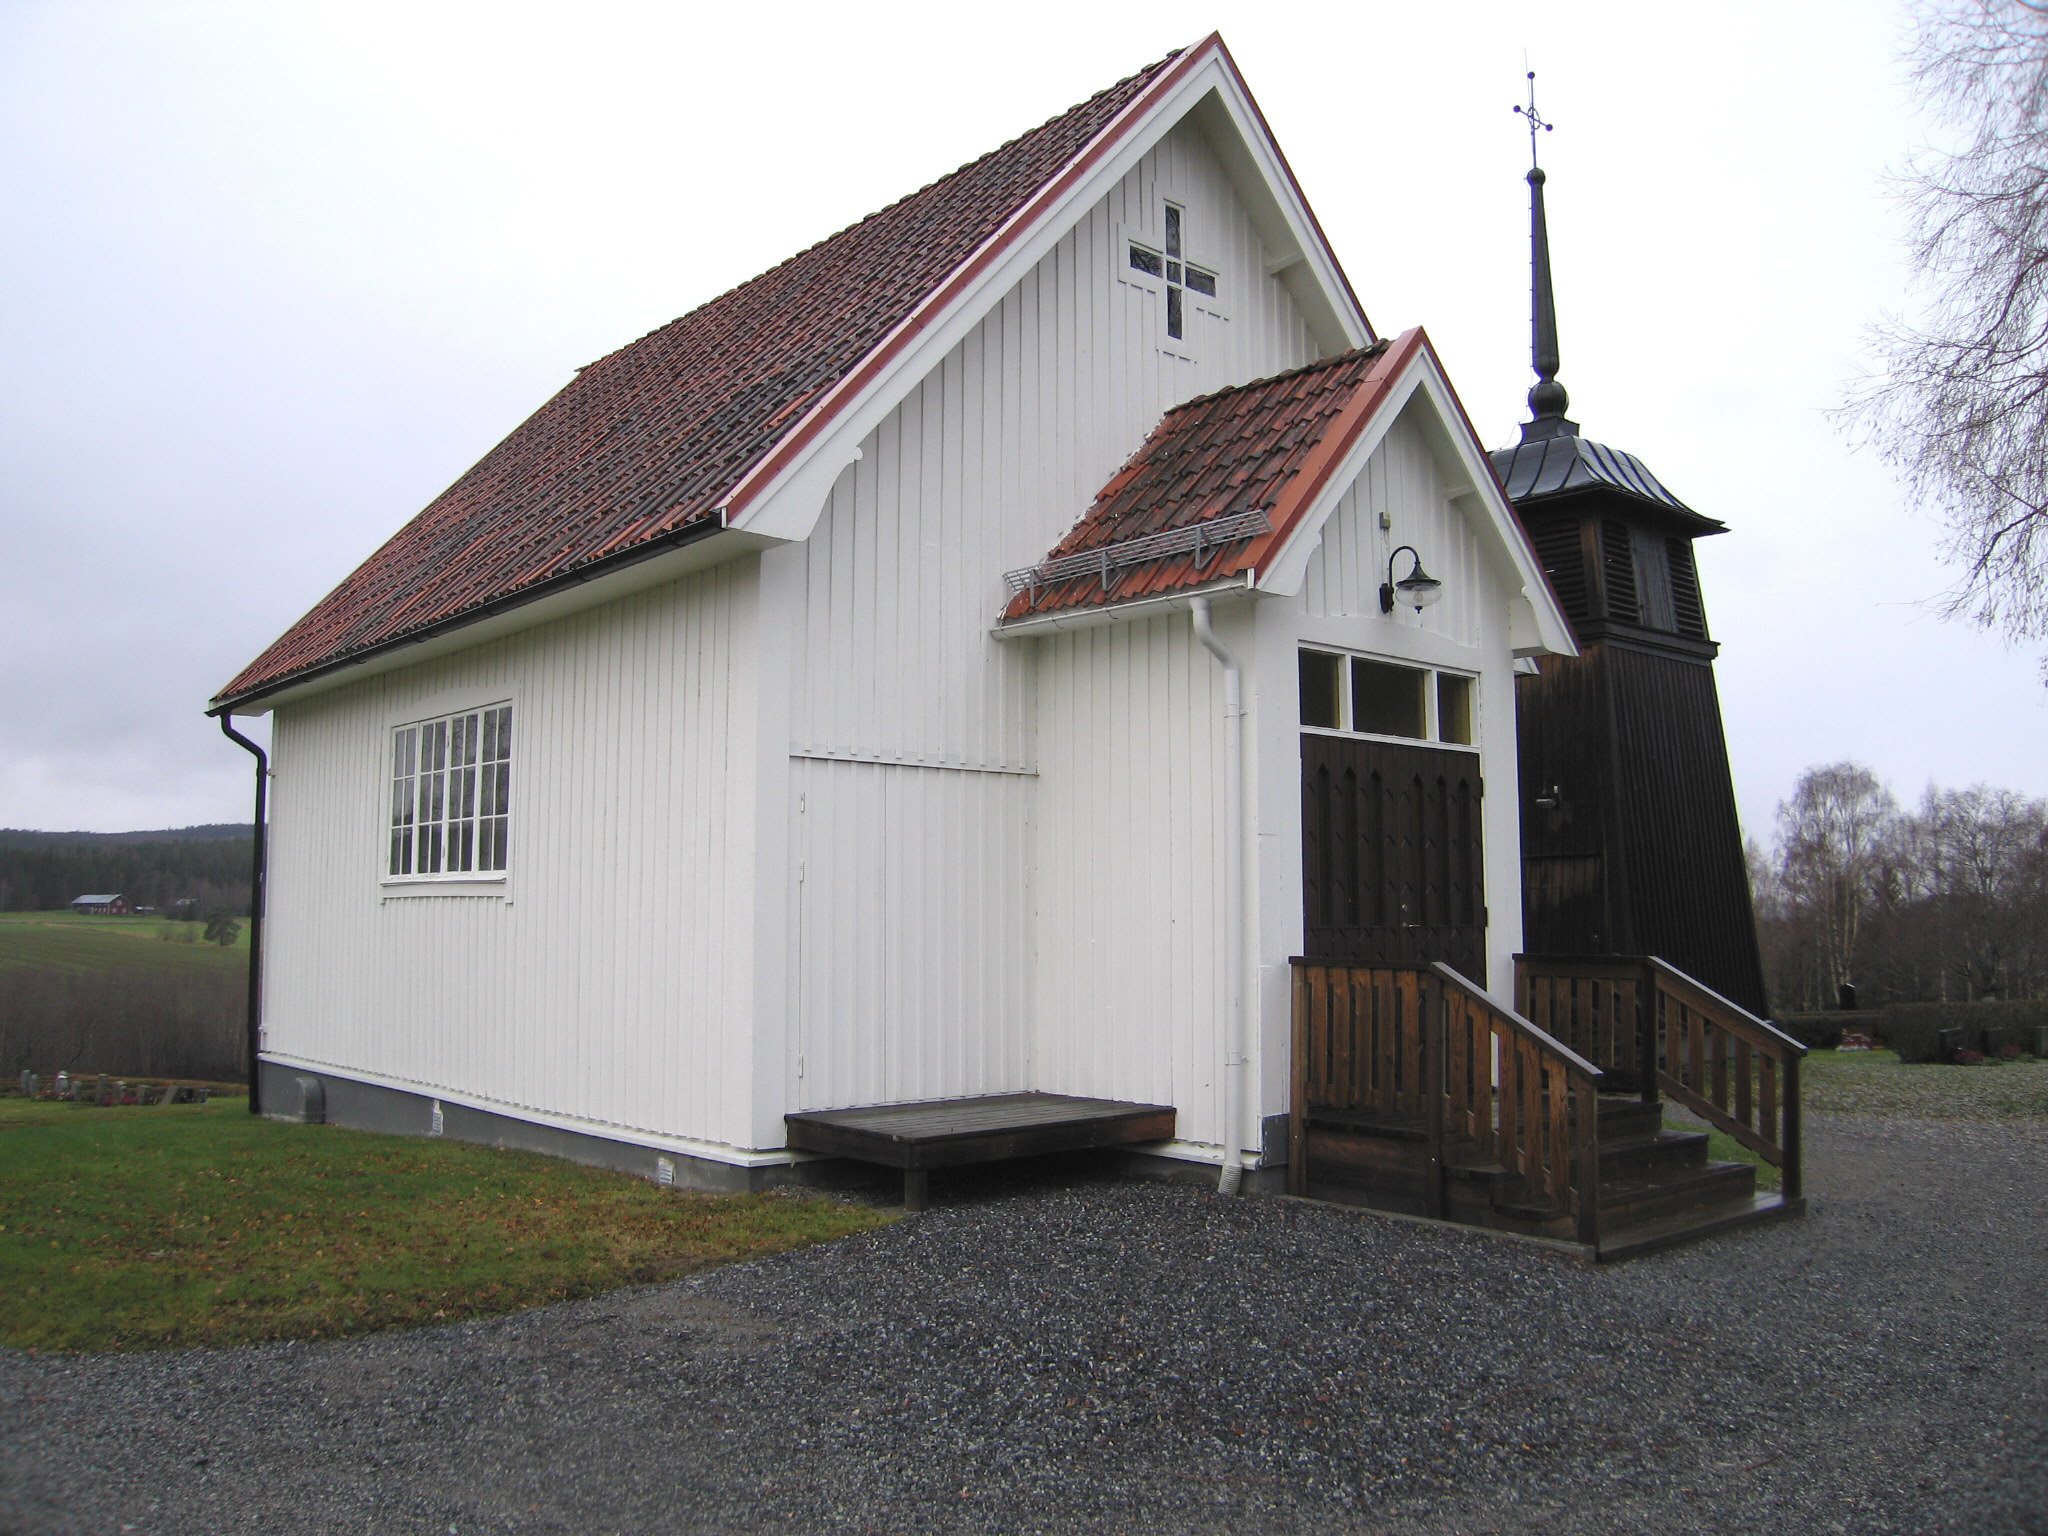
[[1351, 695], [451, 796]]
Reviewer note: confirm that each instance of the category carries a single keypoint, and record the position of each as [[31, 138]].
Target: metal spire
[[1547, 400]]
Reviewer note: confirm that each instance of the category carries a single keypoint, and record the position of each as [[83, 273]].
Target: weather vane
[[1535, 122]]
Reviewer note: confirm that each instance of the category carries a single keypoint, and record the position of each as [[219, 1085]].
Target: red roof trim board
[[778, 458], [757, 479]]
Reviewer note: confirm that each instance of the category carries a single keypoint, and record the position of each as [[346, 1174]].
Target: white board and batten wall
[[798, 832], [605, 980], [1031, 803]]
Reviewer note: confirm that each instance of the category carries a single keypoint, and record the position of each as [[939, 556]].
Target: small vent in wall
[[1685, 589], [1618, 571], [434, 1124], [665, 1172]]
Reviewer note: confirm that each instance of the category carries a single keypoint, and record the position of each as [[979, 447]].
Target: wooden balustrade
[[1645, 1020], [1729, 1067], [1598, 1007], [1424, 1047]]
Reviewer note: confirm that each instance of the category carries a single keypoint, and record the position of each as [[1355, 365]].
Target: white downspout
[[1238, 918]]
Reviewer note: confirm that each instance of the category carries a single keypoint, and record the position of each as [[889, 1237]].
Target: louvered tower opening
[[1618, 572], [1564, 562], [1685, 589]]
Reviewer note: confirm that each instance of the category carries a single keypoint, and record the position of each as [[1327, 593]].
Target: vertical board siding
[[1403, 479], [613, 985], [914, 927], [913, 895], [1130, 971], [995, 456]]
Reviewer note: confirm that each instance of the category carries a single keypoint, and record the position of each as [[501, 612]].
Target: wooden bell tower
[[1630, 842]]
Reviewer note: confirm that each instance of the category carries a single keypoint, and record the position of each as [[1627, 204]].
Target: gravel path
[[1092, 1356]]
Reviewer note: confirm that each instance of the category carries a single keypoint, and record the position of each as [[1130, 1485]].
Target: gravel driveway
[[1057, 1354]]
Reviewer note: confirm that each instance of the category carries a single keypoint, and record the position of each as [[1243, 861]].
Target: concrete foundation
[[302, 1095]]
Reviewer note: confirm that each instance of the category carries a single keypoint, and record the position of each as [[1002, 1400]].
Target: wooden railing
[[1729, 1067], [1423, 1045], [1650, 1022], [1597, 1006]]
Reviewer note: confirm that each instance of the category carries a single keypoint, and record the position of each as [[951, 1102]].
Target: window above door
[[1362, 696]]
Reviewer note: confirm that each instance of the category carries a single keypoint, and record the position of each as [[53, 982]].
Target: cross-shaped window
[[1172, 265]]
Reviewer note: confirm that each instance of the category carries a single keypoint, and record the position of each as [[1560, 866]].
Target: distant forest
[[209, 866]]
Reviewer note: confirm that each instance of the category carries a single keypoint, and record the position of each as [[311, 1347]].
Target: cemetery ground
[[1047, 1350]]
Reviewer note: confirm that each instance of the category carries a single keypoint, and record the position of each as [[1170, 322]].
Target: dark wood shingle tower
[[1630, 843]]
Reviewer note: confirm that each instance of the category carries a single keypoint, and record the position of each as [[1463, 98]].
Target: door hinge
[[799, 1066]]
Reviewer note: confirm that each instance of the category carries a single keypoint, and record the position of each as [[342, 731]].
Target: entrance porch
[[1415, 1092]]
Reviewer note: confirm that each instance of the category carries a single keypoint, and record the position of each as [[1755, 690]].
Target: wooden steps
[[1657, 1186]]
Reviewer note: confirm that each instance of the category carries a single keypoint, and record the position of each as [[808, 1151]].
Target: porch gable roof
[[1262, 464]]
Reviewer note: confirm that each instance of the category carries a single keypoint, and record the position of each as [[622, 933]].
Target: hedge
[[1914, 1030]]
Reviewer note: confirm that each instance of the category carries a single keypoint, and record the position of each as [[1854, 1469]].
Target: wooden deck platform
[[950, 1133]]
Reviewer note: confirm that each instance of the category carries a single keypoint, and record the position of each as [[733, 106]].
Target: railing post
[[1648, 996], [1297, 1107], [1789, 1166], [1435, 1005], [1586, 1157]]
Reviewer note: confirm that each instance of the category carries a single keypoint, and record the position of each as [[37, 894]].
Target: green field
[[68, 942], [184, 1225]]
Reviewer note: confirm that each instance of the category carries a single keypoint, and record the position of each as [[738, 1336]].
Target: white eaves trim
[[1093, 615], [513, 615], [788, 502]]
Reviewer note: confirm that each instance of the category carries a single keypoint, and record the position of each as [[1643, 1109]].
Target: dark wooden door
[[1392, 866]]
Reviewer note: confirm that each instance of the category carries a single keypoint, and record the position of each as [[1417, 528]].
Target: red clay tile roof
[[1268, 446], [648, 441]]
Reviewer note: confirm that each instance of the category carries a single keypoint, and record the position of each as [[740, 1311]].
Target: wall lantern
[[1418, 588]]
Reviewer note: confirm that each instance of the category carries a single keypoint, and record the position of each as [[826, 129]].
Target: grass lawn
[[153, 1227], [70, 942], [1876, 1083]]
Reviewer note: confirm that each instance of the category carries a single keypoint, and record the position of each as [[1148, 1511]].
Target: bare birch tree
[[1961, 407], [1834, 834], [1986, 852]]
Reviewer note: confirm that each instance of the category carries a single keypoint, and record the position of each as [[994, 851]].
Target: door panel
[[1392, 861]]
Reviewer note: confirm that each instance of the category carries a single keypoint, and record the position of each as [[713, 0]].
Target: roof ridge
[[887, 208], [1370, 349]]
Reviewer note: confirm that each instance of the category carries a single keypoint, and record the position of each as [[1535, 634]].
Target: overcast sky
[[275, 274]]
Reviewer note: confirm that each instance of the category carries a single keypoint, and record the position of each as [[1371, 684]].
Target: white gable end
[[782, 498]]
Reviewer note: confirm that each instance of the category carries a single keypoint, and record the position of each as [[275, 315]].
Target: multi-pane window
[[1172, 267], [1384, 698], [451, 794]]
